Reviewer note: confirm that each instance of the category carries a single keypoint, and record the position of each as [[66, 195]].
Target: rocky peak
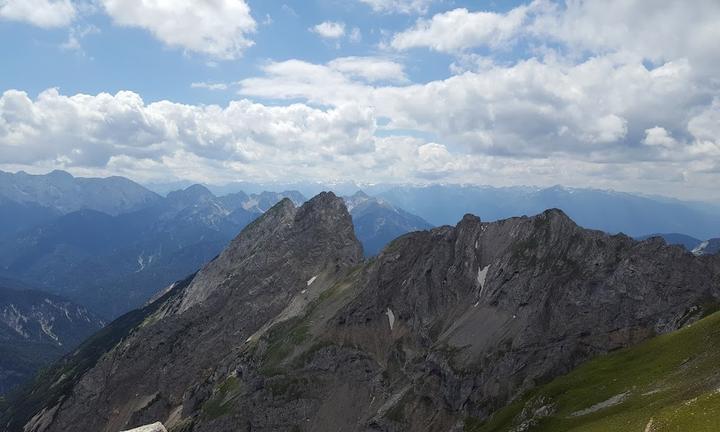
[[308, 239]]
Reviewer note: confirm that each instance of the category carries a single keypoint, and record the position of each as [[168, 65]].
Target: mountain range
[[110, 244], [696, 246], [609, 211], [37, 328], [290, 328]]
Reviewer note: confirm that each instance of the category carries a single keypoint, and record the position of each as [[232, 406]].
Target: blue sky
[[608, 94], [113, 58]]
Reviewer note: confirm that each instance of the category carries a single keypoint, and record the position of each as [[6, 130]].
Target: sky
[[609, 94]]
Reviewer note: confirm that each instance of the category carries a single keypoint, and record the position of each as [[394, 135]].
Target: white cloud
[[121, 134], [218, 28], [86, 130], [459, 29], [659, 31], [632, 28], [369, 68], [299, 79], [399, 6], [596, 109], [41, 13], [329, 29], [209, 86], [658, 136]]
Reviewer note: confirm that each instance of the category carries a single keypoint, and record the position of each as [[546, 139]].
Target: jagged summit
[[317, 235]]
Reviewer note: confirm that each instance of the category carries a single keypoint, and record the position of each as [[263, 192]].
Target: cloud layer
[[41, 13]]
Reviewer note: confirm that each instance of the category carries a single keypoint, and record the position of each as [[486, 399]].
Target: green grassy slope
[[669, 383]]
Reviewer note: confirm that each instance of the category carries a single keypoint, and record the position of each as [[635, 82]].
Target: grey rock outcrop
[[287, 330]]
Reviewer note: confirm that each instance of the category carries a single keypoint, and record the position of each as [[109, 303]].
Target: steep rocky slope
[[288, 329], [669, 383], [35, 329]]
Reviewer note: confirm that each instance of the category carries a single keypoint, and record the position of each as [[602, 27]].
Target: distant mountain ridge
[[683, 240], [377, 222], [60, 191], [696, 246], [115, 263], [36, 328], [612, 212]]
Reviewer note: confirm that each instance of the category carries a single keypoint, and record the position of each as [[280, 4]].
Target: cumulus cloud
[[459, 29], [661, 31], [597, 108], [88, 130], [41, 13], [658, 136], [219, 29], [399, 6], [329, 29], [630, 27]]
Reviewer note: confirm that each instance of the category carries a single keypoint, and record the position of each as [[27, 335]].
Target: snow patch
[[15, 320], [47, 328], [391, 318], [481, 276], [701, 248], [311, 280]]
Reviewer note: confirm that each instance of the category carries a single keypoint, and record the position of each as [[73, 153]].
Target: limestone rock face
[[289, 330]]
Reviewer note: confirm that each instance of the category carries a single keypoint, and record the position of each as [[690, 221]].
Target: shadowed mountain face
[[35, 329], [289, 330]]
